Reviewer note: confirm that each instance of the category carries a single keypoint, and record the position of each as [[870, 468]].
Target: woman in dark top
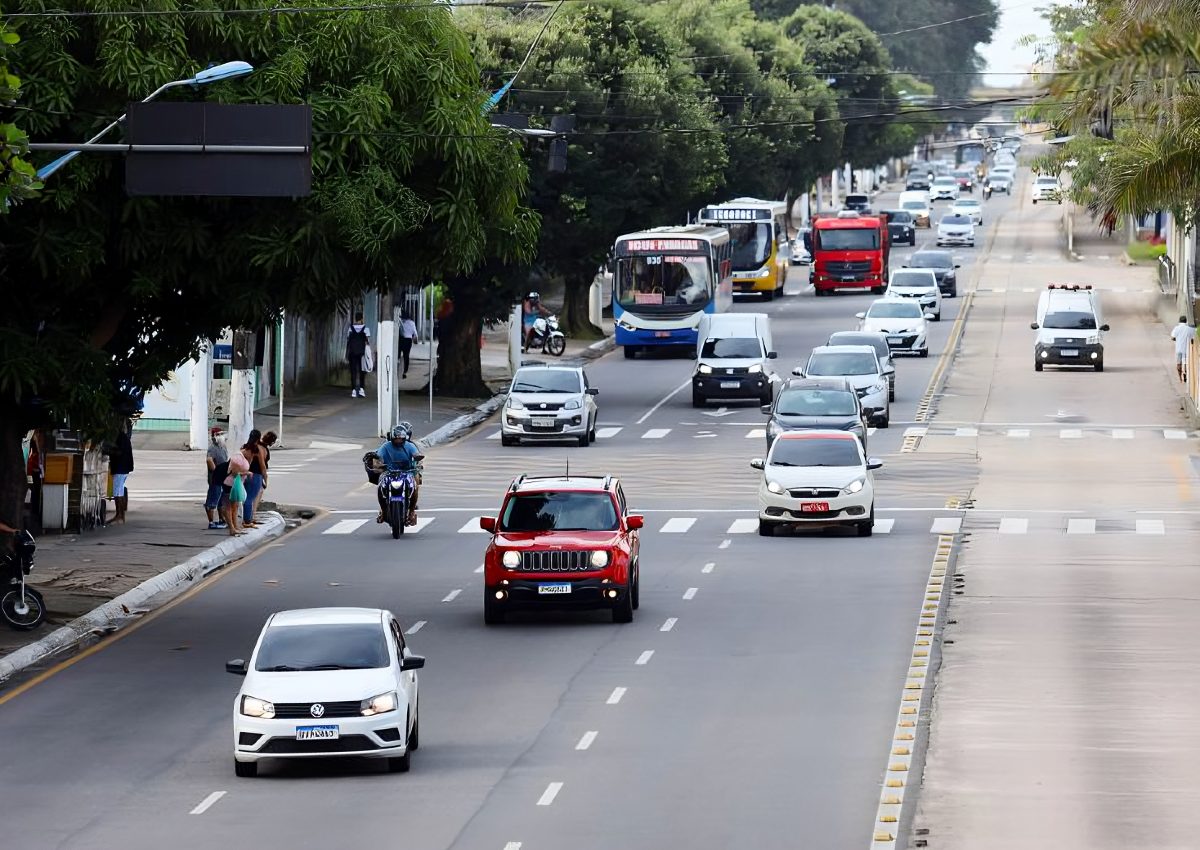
[[268, 439], [120, 464], [254, 453]]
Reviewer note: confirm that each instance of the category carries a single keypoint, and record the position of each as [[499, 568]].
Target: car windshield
[[944, 181], [900, 216], [857, 201], [546, 381], [894, 310], [331, 646], [955, 219], [567, 510], [751, 243], [876, 341], [833, 363], [914, 205], [1047, 181], [661, 283], [912, 279], [966, 205], [933, 259], [735, 348], [814, 451], [848, 239], [815, 403], [963, 173], [1070, 320]]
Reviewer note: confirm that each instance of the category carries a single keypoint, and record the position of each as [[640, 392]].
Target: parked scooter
[[547, 337], [22, 606]]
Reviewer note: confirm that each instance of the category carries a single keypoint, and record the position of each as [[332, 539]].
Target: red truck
[[849, 252]]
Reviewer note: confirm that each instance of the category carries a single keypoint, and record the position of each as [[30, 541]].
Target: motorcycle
[[23, 607], [547, 336], [396, 489]]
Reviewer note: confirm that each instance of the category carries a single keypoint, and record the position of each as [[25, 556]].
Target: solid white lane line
[[884, 526], [690, 593], [345, 526], [615, 696], [663, 401], [743, 526], [677, 525], [452, 594], [756, 434], [472, 527], [725, 543], [1122, 434], [207, 803], [1019, 433], [708, 568], [1070, 434], [586, 740], [607, 433], [669, 624], [1151, 526], [416, 627], [550, 793], [946, 525], [1080, 525], [1174, 434], [644, 658], [1013, 525], [656, 433]]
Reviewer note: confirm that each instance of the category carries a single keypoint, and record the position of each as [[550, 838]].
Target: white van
[[916, 203], [1070, 328], [733, 358]]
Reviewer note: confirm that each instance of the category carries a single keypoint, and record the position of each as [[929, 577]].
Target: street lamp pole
[[224, 71]]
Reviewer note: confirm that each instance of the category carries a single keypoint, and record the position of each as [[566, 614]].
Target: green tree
[[18, 179], [105, 294]]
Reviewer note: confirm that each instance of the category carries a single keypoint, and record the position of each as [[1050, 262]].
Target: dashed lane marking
[[1150, 526], [550, 793], [1070, 434], [1174, 434], [656, 433], [678, 525], [1018, 433], [513, 845], [669, 624], [690, 593], [708, 568], [607, 433], [644, 658], [884, 526], [1081, 525], [452, 595], [724, 544], [1122, 434], [472, 527], [345, 526], [586, 740], [495, 435], [743, 526], [479, 569], [1014, 525], [207, 803], [415, 627], [966, 432], [615, 696], [421, 523], [946, 525], [756, 434]]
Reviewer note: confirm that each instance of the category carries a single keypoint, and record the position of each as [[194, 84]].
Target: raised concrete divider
[[150, 594]]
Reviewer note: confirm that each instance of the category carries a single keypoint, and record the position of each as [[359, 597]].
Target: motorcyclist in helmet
[[531, 309], [400, 454]]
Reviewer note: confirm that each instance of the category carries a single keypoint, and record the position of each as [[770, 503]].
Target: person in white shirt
[[358, 337], [1181, 333], [408, 335]]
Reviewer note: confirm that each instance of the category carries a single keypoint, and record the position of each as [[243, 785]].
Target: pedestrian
[[1182, 333], [408, 335], [235, 492], [358, 342], [268, 439], [120, 464], [254, 454], [217, 461]]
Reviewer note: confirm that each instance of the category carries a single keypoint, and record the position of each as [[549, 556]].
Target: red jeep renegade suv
[[562, 542]]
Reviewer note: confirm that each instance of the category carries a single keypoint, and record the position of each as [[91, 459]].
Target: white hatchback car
[[968, 207], [955, 229], [860, 366], [920, 285], [902, 321], [549, 403], [327, 682], [943, 189], [816, 478]]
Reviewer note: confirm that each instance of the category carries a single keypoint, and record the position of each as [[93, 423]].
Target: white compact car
[[943, 189], [327, 682], [816, 478], [969, 207], [956, 229], [919, 285], [902, 321], [549, 403], [1047, 189], [860, 366]]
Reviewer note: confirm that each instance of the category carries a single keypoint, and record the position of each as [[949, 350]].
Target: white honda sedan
[[903, 322], [969, 207], [327, 682], [816, 478], [956, 229]]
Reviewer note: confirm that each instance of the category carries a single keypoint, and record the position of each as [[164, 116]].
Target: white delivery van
[[733, 358], [1070, 328]]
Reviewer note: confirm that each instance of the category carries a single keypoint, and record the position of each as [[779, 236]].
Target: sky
[[1018, 18]]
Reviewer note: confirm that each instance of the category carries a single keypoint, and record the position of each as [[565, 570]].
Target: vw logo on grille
[[317, 710], [728, 371]]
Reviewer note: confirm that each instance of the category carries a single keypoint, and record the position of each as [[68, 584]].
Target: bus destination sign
[[659, 246], [731, 214]]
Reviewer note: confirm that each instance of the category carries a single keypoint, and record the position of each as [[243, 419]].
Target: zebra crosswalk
[[691, 432], [1043, 431]]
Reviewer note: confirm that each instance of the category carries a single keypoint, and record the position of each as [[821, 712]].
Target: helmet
[[534, 296], [408, 429], [398, 433]]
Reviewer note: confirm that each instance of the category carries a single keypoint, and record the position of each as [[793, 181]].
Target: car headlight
[[704, 369], [511, 559], [775, 487], [396, 483], [756, 369], [599, 558], [378, 705], [855, 487], [572, 404], [514, 404], [255, 707], [766, 271], [880, 387], [774, 429]]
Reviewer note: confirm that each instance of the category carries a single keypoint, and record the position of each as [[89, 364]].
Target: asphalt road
[[749, 704]]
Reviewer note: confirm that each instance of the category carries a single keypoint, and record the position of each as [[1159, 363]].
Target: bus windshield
[[661, 281], [850, 239], [752, 242]]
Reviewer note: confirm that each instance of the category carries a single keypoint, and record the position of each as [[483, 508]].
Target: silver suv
[[549, 403]]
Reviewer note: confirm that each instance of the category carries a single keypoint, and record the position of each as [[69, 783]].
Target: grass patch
[[1145, 252]]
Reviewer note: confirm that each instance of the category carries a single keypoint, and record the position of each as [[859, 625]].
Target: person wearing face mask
[[358, 338], [217, 461]]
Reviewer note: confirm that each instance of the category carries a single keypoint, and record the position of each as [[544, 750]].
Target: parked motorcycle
[[22, 607], [547, 336]]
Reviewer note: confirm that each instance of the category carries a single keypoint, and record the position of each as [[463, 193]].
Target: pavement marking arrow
[[720, 411]]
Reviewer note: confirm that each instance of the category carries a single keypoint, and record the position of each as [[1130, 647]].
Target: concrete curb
[[110, 616]]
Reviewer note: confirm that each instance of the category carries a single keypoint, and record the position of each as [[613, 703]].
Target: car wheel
[[878, 290], [924, 352], [937, 317], [1035, 202], [400, 764], [892, 393], [885, 420], [1099, 365], [866, 529], [245, 769], [768, 295], [954, 292], [493, 614], [592, 433], [636, 593], [584, 440], [766, 529], [1037, 367], [697, 399], [765, 399], [506, 440], [622, 611], [414, 737], [630, 352]]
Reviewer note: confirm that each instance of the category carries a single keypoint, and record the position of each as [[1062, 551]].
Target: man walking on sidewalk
[[358, 337], [408, 335], [1181, 333], [217, 462]]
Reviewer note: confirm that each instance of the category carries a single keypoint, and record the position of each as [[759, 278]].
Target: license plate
[[895, 340], [551, 589], [730, 385], [1069, 352], [543, 423], [316, 733], [814, 508], [848, 278], [662, 334]]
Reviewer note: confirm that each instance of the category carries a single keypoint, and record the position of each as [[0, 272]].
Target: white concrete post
[[241, 406], [515, 339], [198, 405], [596, 302], [833, 190], [846, 170], [386, 370]]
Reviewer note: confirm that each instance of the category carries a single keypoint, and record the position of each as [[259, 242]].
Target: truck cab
[[850, 252]]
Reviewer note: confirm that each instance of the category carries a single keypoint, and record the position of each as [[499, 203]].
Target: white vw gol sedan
[[818, 478], [327, 682]]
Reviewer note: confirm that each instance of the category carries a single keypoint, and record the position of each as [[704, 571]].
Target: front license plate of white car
[[729, 385], [316, 733], [814, 508], [1069, 352], [895, 340], [543, 423], [551, 589]]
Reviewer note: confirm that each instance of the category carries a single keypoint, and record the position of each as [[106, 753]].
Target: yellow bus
[[758, 232]]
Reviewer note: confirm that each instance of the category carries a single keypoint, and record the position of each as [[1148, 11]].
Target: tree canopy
[[18, 179]]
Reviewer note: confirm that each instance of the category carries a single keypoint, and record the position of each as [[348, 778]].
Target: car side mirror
[[418, 458], [1033, 326], [798, 371], [765, 408], [1104, 327], [930, 316], [772, 355], [874, 463], [904, 266], [958, 265], [860, 315], [635, 521], [593, 391], [488, 524], [412, 662], [237, 667], [758, 463]]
